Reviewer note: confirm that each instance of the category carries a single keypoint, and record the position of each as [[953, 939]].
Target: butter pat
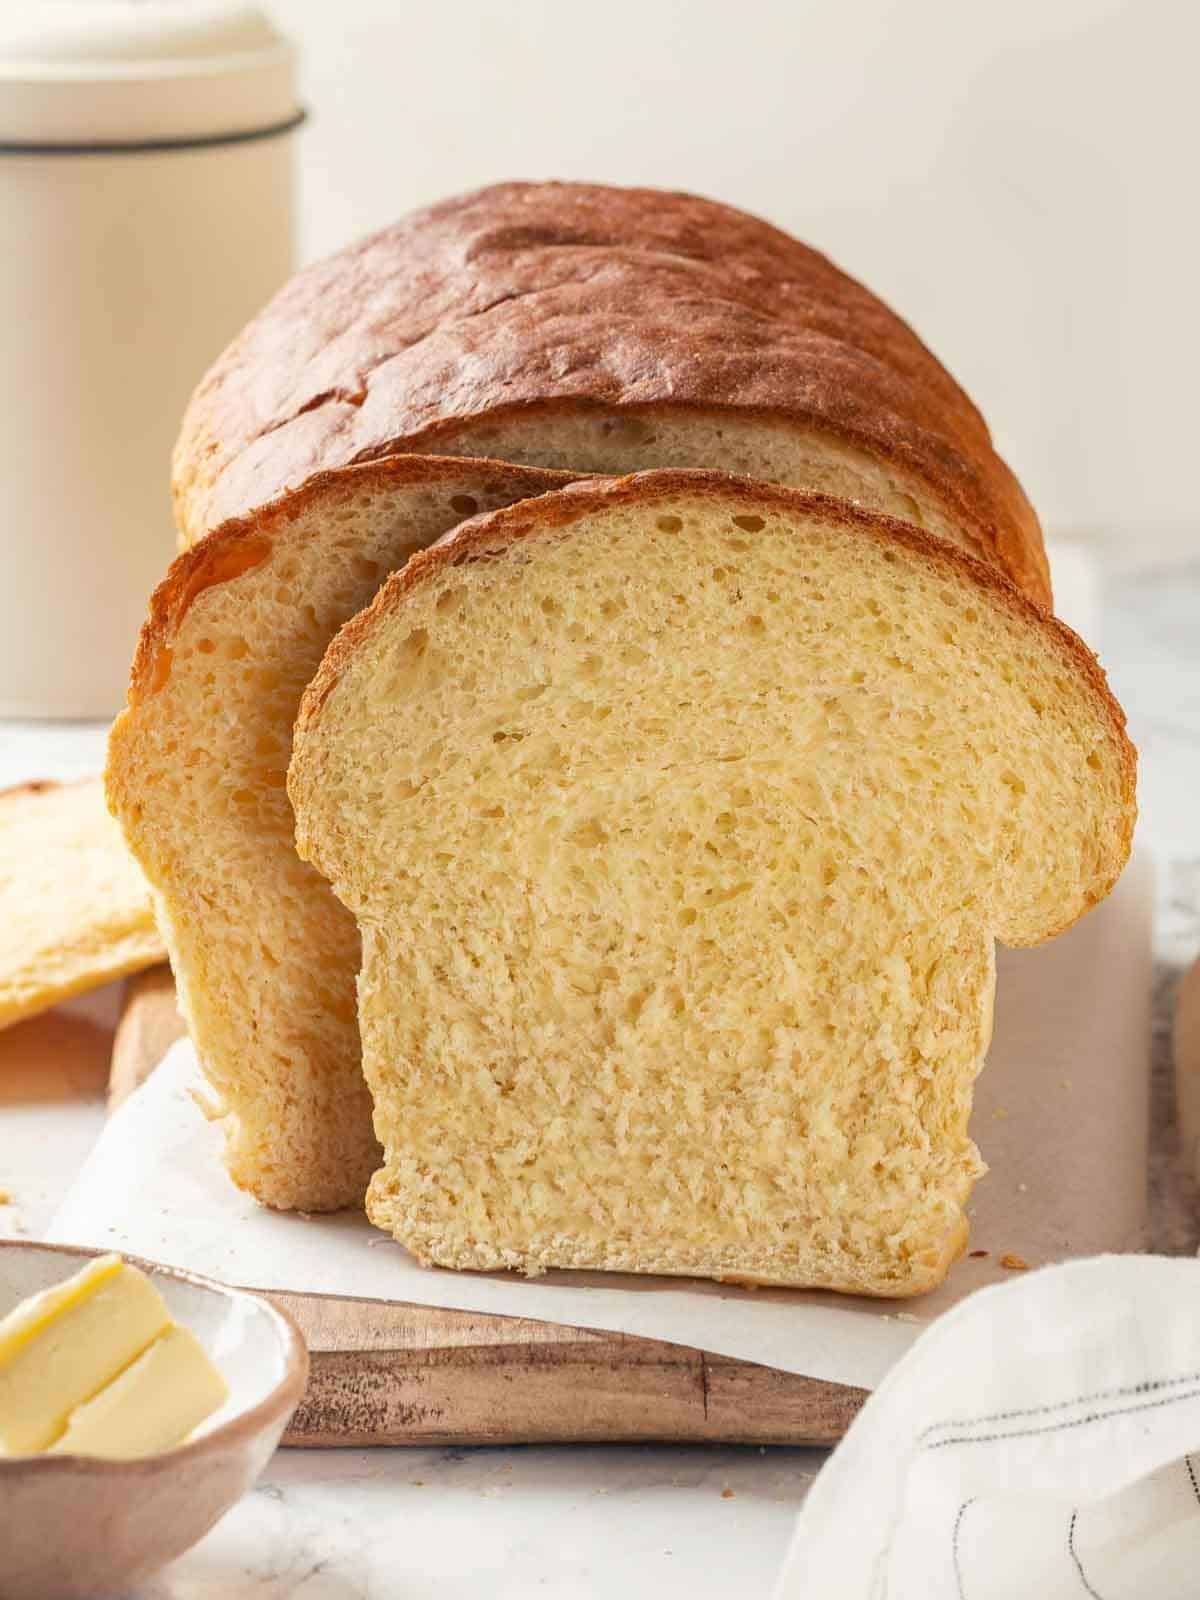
[[151, 1406], [62, 1346], [95, 1366]]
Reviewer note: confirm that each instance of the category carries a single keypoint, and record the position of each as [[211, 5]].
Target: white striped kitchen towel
[[1035, 1444]]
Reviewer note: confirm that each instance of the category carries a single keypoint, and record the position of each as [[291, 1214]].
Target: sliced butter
[[62, 1346], [152, 1406]]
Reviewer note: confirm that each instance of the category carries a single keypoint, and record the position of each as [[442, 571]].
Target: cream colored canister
[[145, 215]]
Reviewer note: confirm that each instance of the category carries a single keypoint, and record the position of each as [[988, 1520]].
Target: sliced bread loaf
[[679, 815], [264, 955], [601, 330]]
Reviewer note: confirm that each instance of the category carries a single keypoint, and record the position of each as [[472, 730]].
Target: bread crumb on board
[[977, 1255], [1014, 1263], [727, 1494]]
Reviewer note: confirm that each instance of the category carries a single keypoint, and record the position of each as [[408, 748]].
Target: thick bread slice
[[679, 815], [264, 956], [601, 330], [75, 912]]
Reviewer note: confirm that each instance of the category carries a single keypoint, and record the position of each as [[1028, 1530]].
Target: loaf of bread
[[679, 815], [264, 956], [75, 911], [599, 330], [590, 329]]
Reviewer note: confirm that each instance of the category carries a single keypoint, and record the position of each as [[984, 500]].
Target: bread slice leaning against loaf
[[679, 815], [265, 957]]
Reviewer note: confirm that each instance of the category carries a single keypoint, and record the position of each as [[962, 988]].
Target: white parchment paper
[[1061, 1117]]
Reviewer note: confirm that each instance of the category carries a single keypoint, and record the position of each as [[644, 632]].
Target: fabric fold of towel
[[1037, 1440]]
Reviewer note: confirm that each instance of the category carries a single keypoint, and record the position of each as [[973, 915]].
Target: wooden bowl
[[77, 1528]]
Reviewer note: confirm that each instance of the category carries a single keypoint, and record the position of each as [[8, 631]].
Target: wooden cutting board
[[383, 1372]]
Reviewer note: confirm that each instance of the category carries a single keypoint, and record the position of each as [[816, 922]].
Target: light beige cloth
[[1036, 1441]]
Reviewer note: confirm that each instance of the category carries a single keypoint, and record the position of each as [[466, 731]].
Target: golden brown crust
[[242, 543], [567, 299], [491, 534]]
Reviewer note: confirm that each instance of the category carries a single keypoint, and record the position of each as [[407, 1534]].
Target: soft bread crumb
[[678, 909], [264, 956]]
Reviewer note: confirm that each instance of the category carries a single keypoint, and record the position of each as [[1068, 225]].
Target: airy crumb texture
[[679, 815], [264, 955], [75, 911]]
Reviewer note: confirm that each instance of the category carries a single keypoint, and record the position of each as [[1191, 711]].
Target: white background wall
[[1019, 180]]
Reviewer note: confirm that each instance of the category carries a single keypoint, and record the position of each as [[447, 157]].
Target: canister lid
[[88, 74]]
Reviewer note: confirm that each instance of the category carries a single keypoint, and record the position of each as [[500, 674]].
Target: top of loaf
[[537, 299]]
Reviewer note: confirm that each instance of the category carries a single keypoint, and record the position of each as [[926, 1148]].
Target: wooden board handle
[[383, 1373], [149, 1025]]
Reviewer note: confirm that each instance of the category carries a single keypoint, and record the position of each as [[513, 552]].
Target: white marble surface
[[572, 1522], [578, 1523]]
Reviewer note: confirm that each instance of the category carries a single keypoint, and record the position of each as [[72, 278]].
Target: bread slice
[[264, 955], [599, 329], [679, 815], [75, 911]]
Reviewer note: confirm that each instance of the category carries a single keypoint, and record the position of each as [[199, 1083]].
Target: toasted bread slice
[[75, 912]]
